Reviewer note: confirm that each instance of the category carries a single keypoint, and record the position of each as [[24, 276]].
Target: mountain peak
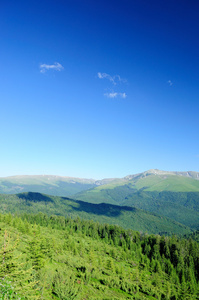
[[189, 174]]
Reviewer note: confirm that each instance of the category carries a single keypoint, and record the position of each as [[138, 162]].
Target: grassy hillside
[[53, 185], [127, 217], [116, 191], [152, 180], [169, 183], [173, 196], [52, 257]]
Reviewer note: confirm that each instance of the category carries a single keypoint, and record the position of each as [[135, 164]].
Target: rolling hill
[[127, 217], [48, 184], [171, 194], [174, 195], [152, 180]]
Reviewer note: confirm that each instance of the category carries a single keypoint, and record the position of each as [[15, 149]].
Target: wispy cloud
[[56, 66], [170, 82], [114, 79], [115, 95], [123, 95]]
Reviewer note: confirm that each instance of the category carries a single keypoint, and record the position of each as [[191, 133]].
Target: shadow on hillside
[[34, 197], [102, 209]]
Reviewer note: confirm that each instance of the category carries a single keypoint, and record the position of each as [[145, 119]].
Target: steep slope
[[127, 217]]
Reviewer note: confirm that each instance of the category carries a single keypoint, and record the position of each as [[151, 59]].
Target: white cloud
[[115, 95], [56, 66], [111, 95], [114, 79], [170, 82], [107, 76], [123, 95], [102, 75]]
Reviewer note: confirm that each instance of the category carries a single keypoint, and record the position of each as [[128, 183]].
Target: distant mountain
[[67, 186], [127, 217], [119, 190], [48, 184], [189, 174], [171, 194]]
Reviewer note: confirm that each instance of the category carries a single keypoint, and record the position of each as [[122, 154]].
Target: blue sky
[[99, 88]]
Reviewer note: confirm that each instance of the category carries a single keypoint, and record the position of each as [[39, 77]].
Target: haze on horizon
[[99, 89]]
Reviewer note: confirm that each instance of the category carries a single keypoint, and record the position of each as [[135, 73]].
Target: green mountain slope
[[168, 194], [127, 217], [171, 194], [53, 185], [50, 257], [171, 183], [152, 180], [156, 181]]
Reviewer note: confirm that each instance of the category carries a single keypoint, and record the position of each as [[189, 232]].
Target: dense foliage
[[127, 217], [182, 207], [52, 257]]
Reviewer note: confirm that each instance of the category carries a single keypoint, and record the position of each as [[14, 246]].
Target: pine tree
[[35, 252], [16, 277], [64, 285]]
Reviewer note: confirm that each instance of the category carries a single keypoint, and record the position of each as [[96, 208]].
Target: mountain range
[[153, 201], [170, 194], [65, 186], [48, 184]]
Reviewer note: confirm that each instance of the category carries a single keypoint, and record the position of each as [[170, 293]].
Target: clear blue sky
[[99, 88]]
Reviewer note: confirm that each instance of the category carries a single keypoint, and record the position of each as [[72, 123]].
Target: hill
[[66, 186], [50, 257], [174, 195], [171, 194], [49, 184], [152, 180], [127, 217]]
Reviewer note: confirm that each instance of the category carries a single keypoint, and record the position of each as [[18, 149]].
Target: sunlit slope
[[174, 196], [52, 257], [127, 217], [54, 185], [171, 183], [150, 182]]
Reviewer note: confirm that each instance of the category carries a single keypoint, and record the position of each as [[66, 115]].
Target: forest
[[56, 257], [124, 216]]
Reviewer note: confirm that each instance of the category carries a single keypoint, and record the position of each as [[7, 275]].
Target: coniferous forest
[[99, 177], [53, 257]]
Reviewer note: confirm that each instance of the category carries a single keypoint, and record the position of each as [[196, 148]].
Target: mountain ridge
[[127, 217], [67, 186], [192, 174]]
